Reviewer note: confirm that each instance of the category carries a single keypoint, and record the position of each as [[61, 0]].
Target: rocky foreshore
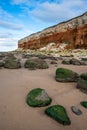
[[41, 78]]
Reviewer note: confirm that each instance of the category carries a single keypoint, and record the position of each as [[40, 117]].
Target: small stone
[[76, 110]]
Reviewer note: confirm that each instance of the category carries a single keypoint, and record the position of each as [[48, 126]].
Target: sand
[[15, 114]]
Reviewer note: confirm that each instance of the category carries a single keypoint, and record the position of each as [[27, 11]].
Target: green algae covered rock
[[30, 64], [12, 63], [58, 113], [33, 64], [82, 85], [84, 76], [66, 75], [38, 98], [1, 64], [84, 104]]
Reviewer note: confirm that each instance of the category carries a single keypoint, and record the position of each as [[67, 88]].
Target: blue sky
[[20, 18]]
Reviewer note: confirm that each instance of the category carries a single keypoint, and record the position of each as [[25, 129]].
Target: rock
[[30, 64], [75, 62], [38, 98], [10, 56], [58, 113], [84, 104], [73, 33], [66, 75], [83, 63], [53, 62], [84, 59], [76, 110], [25, 55], [12, 63], [82, 85], [67, 62], [1, 56], [42, 57], [84, 76], [1, 64], [36, 64]]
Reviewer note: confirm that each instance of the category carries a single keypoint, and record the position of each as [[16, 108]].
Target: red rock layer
[[74, 37]]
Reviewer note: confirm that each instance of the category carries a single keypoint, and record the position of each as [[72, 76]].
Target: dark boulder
[[66, 75], [66, 62], [1, 64], [58, 113], [33, 64], [84, 76], [75, 61], [38, 98], [82, 85], [84, 104], [12, 63]]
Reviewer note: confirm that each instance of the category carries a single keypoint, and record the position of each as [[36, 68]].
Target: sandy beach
[[15, 114]]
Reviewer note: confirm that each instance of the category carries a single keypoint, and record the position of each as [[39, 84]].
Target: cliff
[[72, 32]]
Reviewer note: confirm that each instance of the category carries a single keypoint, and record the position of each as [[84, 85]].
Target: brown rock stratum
[[72, 32]]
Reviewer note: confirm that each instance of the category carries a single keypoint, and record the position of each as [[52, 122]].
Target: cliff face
[[72, 32]]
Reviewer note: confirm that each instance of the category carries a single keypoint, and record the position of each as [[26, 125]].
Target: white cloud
[[7, 44], [7, 48], [58, 12], [10, 25], [5, 35]]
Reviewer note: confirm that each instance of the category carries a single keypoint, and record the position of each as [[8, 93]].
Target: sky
[[20, 18]]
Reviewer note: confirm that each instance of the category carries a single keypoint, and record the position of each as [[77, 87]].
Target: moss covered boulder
[[74, 61], [82, 83], [84, 58], [84, 104], [84, 76], [1, 64], [58, 113], [66, 75], [38, 98], [30, 64], [67, 62], [12, 63], [36, 64]]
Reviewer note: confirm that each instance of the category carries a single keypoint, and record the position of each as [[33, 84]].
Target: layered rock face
[[72, 32]]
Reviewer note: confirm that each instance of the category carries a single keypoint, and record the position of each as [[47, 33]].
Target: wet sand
[[15, 114]]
